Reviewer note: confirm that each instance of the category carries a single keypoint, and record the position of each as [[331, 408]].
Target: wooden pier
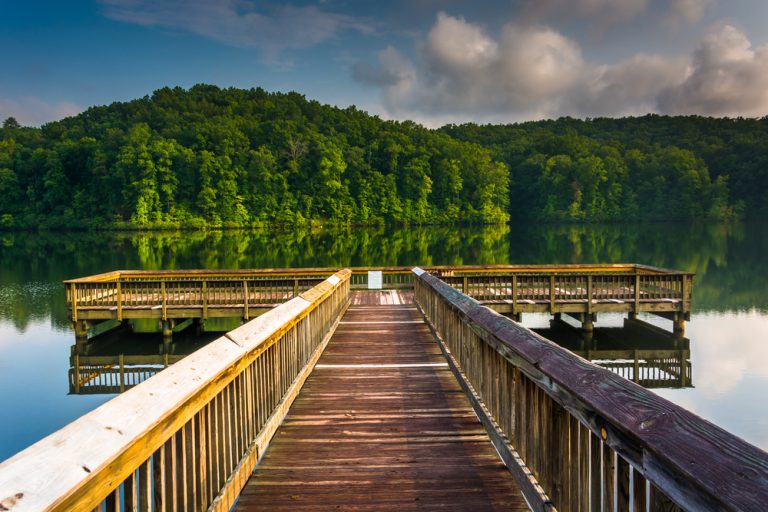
[[383, 419], [331, 400], [582, 291]]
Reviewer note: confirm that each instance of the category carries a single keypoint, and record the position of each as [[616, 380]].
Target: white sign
[[375, 280]]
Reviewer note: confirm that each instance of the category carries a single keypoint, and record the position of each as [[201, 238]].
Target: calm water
[[728, 332]]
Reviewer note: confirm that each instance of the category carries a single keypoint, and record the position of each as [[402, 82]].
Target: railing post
[[121, 362], [637, 295], [589, 293], [205, 299], [685, 301], [73, 294], [245, 299], [165, 305], [552, 293], [514, 294], [119, 302], [77, 373]]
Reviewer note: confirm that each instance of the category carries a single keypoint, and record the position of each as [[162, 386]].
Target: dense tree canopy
[[230, 157], [651, 168]]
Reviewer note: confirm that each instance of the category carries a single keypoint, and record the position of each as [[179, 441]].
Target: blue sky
[[434, 61]]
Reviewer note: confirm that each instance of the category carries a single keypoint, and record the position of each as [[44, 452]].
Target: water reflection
[[118, 360], [728, 259], [639, 352], [729, 327]]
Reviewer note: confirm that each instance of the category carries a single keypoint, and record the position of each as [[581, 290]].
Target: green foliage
[[212, 157], [649, 168], [229, 157]]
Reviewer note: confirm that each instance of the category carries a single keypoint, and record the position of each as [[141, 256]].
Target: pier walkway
[[381, 424]]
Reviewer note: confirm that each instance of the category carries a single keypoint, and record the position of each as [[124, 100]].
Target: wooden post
[[638, 491], [685, 301], [552, 293], [589, 293], [609, 469], [77, 373], [637, 296], [167, 335], [683, 370], [679, 324], [514, 295], [121, 361], [73, 294], [295, 287], [465, 285], [165, 304], [81, 335], [623, 497], [636, 368], [205, 300], [119, 301], [245, 300]]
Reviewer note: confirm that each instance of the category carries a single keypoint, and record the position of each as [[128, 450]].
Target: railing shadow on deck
[[577, 437], [188, 438]]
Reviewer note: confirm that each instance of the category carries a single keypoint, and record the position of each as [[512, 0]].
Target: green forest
[[212, 157]]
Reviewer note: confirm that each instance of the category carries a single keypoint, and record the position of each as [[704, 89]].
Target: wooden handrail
[[187, 438], [315, 271], [571, 430]]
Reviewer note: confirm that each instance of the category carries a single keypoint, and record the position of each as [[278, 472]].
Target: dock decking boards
[[381, 424]]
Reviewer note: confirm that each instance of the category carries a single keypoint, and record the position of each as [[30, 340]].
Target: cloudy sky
[[433, 61]]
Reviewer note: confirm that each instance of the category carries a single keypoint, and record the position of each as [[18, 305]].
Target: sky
[[431, 61]]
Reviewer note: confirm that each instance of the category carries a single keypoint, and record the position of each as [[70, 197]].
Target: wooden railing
[[115, 373], [565, 290], [579, 437], [188, 438], [520, 288]]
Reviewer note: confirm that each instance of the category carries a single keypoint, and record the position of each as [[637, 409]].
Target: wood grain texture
[[381, 424], [695, 463], [77, 467]]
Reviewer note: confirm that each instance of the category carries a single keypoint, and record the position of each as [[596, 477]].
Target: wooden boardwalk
[[381, 424]]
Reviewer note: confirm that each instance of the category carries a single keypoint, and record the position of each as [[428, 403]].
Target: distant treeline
[[209, 157]]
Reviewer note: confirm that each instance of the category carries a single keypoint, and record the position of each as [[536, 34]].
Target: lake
[[728, 331]]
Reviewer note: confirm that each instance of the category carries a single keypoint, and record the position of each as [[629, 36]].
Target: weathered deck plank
[[381, 424]]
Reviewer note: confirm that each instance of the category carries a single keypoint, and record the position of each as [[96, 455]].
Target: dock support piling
[[678, 324], [81, 335], [167, 326]]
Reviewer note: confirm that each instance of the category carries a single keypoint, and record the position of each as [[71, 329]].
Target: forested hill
[[651, 167], [229, 157]]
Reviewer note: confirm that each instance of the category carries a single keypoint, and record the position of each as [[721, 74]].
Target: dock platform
[[381, 424]]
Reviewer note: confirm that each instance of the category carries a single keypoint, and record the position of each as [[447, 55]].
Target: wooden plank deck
[[381, 424]]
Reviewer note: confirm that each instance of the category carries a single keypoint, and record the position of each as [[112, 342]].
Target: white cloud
[[238, 22], [689, 11], [531, 72], [455, 45], [31, 111], [727, 77], [718, 368], [630, 87], [395, 73], [466, 70]]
